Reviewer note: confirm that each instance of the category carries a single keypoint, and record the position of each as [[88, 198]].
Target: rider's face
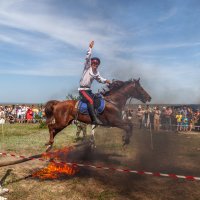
[[94, 65]]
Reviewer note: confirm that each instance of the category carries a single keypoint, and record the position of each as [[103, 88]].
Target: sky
[[43, 45]]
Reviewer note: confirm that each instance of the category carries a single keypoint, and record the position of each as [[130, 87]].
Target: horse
[[60, 114]]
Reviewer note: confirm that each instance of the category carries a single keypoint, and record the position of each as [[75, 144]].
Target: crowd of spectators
[[21, 113], [167, 118]]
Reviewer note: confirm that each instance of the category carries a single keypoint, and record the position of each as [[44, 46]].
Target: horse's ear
[[139, 79]]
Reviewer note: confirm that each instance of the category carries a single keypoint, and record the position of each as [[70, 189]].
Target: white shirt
[[88, 75]]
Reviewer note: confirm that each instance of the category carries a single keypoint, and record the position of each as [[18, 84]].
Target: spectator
[[128, 115], [13, 114], [147, 113], [179, 121], [23, 113], [29, 115], [156, 117], [185, 123], [168, 113], [6, 112], [191, 124], [184, 111], [2, 115], [19, 114], [35, 113], [140, 116]]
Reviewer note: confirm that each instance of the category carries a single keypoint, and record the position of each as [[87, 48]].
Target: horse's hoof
[[77, 139], [47, 144], [49, 147], [126, 141]]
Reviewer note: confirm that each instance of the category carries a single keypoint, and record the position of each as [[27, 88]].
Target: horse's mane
[[114, 86]]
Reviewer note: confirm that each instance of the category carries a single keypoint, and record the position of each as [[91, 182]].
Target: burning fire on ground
[[56, 168]]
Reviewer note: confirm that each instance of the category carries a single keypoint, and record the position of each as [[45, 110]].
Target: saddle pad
[[83, 109]]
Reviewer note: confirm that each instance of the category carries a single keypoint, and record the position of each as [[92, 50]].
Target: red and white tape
[[158, 174]]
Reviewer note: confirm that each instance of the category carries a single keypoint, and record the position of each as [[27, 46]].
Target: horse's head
[[137, 91], [131, 88]]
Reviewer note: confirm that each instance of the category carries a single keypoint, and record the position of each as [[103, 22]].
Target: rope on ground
[[157, 174]]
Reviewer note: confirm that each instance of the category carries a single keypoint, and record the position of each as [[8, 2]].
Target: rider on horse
[[90, 73]]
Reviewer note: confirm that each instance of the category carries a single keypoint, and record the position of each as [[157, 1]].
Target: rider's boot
[[94, 118]]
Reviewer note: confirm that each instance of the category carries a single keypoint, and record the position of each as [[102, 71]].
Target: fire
[[56, 168]]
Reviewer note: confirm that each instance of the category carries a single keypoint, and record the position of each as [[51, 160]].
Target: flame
[[55, 168]]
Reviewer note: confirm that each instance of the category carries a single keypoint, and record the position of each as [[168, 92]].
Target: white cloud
[[155, 47], [67, 30]]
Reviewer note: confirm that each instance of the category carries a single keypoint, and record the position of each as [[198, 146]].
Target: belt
[[83, 88]]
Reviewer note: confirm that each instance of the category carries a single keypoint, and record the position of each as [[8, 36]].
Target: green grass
[[176, 151], [30, 138]]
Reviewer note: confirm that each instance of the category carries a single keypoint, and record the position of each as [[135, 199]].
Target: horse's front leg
[[128, 132], [51, 138], [127, 127], [53, 130]]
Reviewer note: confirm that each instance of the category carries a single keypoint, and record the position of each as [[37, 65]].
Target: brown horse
[[60, 114]]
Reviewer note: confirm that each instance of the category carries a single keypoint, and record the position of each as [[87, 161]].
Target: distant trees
[[72, 97]]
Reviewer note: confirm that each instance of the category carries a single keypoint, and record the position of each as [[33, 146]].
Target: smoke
[[165, 85]]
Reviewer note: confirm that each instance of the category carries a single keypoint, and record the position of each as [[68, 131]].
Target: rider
[[90, 73]]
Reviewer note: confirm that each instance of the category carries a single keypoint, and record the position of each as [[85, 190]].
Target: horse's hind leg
[[92, 138]]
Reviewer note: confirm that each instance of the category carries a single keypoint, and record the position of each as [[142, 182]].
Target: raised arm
[[88, 55]]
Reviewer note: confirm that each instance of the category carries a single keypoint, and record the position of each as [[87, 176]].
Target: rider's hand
[[91, 44], [108, 81]]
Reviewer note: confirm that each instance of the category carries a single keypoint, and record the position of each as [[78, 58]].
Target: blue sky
[[43, 45]]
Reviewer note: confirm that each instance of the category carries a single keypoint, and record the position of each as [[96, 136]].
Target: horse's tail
[[49, 107]]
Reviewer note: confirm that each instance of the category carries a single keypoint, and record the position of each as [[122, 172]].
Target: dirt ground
[[166, 152]]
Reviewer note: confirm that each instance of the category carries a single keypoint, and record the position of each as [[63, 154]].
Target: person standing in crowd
[[168, 113], [179, 121], [35, 113], [140, 116], [40, 114], [127, 115], [191, 124], [147, 113], [6, 112], [13, 114], [184, 111], [2, 115], [19, 113], [23, 113], [29, 115], [185, 122], [156, 117]]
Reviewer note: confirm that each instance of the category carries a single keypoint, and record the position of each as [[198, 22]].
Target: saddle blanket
[[99, 106]]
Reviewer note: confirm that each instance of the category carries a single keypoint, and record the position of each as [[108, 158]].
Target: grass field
[[30, 138], [171, 153]]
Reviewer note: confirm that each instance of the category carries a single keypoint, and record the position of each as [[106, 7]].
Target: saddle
[[99, 105]]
